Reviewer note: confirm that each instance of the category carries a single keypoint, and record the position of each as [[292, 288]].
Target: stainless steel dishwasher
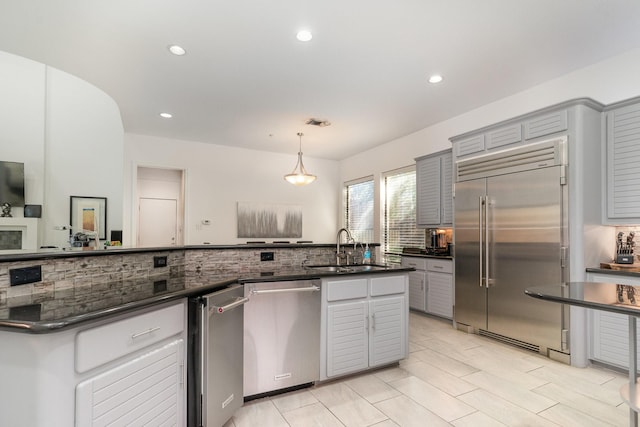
[[218, 339], [281, 335]]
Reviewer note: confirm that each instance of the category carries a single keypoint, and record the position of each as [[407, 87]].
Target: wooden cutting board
[[623, 267]]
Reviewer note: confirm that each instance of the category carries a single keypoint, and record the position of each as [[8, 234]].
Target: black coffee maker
[[437, 242]]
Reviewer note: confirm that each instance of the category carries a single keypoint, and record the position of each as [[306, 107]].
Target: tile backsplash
[[62, 274]]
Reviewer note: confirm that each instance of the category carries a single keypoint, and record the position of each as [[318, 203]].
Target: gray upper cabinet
[[511, 132], [434, 178], [504, 136], [546, 124], [468, 146], [623, 163]]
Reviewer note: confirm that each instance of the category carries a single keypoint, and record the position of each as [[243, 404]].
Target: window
[[358, 209], [399, 222]]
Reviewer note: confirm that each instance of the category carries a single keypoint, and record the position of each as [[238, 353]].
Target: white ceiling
[[246, 77]]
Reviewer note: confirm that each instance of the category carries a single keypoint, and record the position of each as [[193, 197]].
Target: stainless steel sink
[[347, 268]]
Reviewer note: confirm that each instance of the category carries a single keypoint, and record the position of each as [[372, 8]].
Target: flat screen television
[[12, 183]]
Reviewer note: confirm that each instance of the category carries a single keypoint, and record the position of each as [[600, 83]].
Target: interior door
[[525, 219], [158, 222], [471, 297]]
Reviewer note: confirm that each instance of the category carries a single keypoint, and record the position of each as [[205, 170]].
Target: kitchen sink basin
[[347, 268]]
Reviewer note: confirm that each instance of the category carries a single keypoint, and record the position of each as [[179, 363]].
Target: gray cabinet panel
[[546, 125], [447, 188], [428, 188], [469, 146], [434, 191], [504, 136], [623, 158]]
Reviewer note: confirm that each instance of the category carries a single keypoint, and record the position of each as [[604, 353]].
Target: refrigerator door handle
[[488, 281], [480, 208]]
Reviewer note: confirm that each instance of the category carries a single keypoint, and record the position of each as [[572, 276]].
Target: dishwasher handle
[[278, 291], [215, 309]]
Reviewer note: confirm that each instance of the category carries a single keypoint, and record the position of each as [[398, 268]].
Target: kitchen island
[[63, 345], [610, 297]]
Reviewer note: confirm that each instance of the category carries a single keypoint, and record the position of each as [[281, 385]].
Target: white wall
[[84, 151], [22, 89], [69, 135], [217, 177], [608, 81]]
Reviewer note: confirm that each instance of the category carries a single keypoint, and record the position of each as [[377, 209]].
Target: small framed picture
[[89, 214]]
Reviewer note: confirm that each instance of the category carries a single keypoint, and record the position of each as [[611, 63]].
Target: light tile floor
[[452, 378]]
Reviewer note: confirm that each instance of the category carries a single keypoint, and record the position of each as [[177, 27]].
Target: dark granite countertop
[[614, 272], [449, 257], [600, 296], [51, 311]]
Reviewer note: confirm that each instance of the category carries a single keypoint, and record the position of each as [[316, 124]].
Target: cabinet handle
[[147, 332], [373, 321], [222, 309], [438, 266], [278, 291]]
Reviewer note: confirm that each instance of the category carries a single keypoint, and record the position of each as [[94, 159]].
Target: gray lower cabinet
[[431, 287], [609, 332], [417, 282], [434, 190], [115, 371], [364, 323], [622, 159]]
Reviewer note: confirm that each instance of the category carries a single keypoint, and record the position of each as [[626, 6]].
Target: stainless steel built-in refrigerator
[[510, 229]]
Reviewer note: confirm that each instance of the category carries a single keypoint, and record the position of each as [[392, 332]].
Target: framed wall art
[[88, 214], [269, 220]]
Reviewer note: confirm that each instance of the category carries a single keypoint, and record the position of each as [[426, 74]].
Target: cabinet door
[[417, 290], [504, 136], [147, 390], [609, 332], [387, 330], [347, 338], [447, 189], [440, 294], [546, 125], [428, 184], [623, 157]]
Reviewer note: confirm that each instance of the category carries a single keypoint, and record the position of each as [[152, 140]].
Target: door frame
[[181, 235]]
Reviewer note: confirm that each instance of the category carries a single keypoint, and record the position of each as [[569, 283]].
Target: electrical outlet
[[266, 256], [159, 286], [22, 276], [159, 261]]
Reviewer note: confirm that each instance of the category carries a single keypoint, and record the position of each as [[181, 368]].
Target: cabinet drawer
[[346, 289], [440, 265], [102, 344], [387, 285], [417, 263]]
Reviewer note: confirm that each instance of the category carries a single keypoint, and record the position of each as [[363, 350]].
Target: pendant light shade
[[299, 175]]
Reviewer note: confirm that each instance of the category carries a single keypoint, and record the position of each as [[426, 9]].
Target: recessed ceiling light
[[436, 78], [166, 115], [177, 50], [304, 35]]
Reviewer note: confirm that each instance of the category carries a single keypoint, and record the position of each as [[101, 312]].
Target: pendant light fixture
[[299, 176]]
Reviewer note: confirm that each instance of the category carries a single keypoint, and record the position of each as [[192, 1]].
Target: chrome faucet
[[349, 239]]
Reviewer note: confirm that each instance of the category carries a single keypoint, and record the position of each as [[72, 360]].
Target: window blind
[[359, 210], [399, 225]]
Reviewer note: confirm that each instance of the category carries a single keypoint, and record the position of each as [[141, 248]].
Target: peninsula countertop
[[49, 311], [601, 296]]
